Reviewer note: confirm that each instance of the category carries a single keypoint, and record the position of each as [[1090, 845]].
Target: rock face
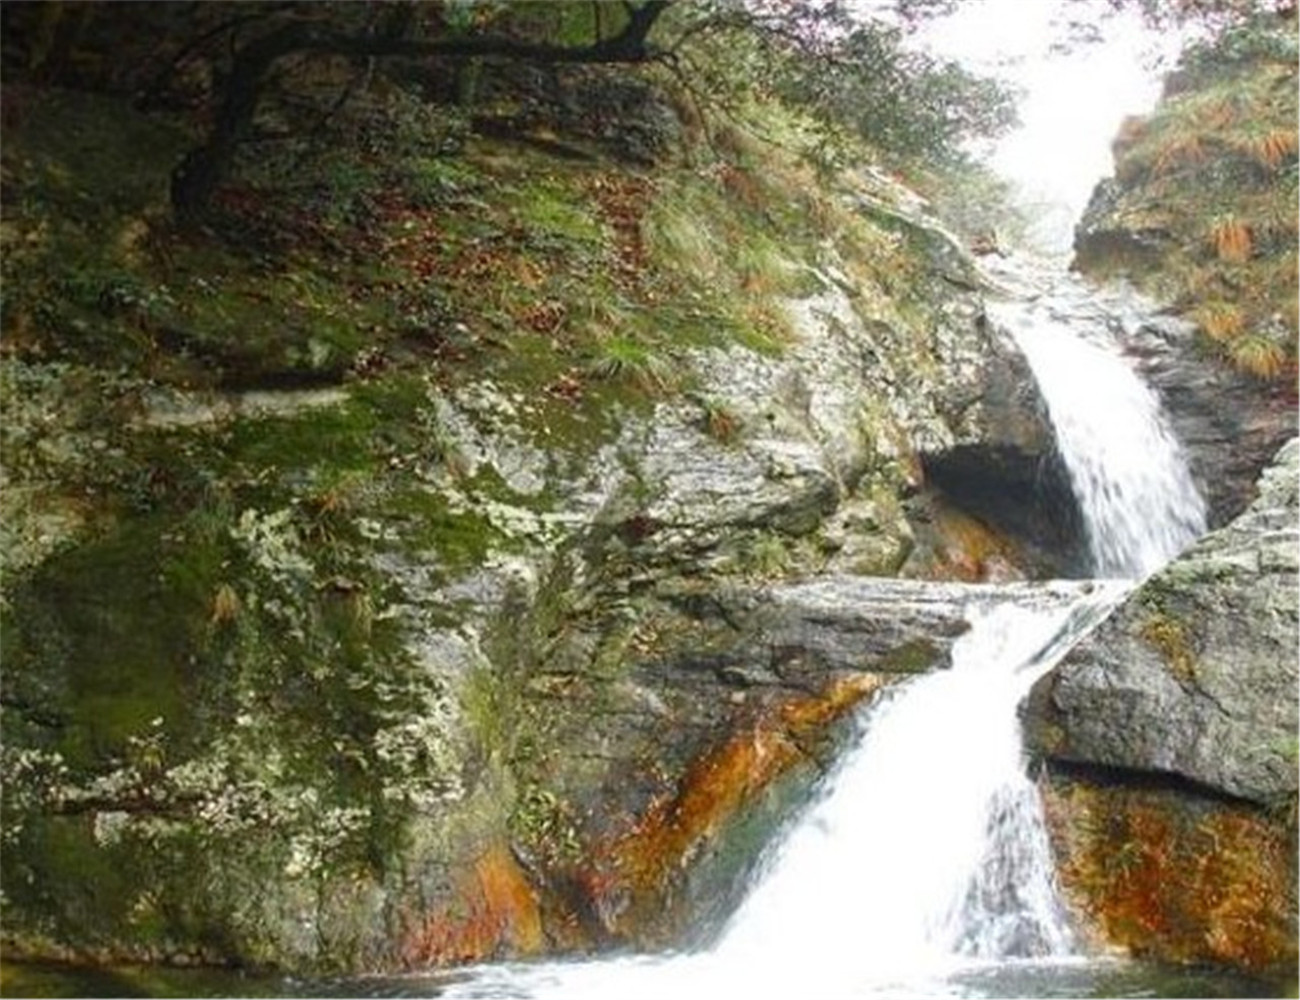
[[1229, 423], [1113, 233], [434, 666], [1177, 718]]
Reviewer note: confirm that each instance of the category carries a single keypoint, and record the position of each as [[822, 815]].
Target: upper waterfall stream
[[1139, 504], [926, 853]]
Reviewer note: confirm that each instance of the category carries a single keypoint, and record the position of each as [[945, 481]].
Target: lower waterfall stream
[[903, 875]]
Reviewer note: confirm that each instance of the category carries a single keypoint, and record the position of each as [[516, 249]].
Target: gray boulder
[[1194, 677]]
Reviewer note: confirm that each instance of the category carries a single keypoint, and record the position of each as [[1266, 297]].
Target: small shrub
[[1178, 151], [1267, 146], [1258, 355], [1231, 239], [767, 556], [720, 422], [632, 363], [1221, 321]]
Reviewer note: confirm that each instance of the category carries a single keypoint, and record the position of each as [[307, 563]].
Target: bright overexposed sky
[[1074, 100]]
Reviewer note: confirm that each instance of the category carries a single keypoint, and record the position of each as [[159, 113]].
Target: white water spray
[[1139, 503], [930, 844], [926, 854]]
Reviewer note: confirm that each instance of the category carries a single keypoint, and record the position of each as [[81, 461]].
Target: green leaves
[[851, 72]]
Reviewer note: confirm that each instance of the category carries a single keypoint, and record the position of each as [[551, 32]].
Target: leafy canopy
[[848, 66]]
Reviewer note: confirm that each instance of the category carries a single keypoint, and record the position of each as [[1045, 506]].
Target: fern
[[1273, 211], [1214, 110], [1267, 146], [1179, 150], [1231, 239], [1258, 355]]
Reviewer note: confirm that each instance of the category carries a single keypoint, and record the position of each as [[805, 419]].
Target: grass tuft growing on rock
[[1213, 174]]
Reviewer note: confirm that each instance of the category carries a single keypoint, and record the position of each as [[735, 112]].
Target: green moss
[[118, 618], [911, 657], [461, 538], [1170, 638], [338, 438]]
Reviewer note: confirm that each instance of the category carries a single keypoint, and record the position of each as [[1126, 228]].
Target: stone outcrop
[[1113, 233], [997, 492], [1169, 742], [424, 670]]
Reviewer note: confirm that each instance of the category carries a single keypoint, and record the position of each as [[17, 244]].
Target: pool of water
[[1078, 978]]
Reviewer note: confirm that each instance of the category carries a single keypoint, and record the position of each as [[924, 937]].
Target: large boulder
[[1176, 720], [1195, 675]]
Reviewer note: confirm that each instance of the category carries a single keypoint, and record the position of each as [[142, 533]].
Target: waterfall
[[927, 850], [930, 843], [1140, 506]]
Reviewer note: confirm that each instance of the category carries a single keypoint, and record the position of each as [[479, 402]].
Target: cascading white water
[[928, 848], [930, 844], [1139, 503]]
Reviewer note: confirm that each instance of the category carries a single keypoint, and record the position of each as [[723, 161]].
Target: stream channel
[[916, 871]]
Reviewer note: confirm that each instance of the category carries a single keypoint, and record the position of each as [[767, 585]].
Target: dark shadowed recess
[[1026, 497]]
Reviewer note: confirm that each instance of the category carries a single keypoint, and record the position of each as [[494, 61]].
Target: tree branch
[[196, 177], [160, 79]]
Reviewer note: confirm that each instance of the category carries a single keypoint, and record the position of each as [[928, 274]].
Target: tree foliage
[[848, 66], [1214, 15], [845, 65]]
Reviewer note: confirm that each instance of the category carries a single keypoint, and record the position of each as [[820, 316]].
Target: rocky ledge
[[1169, 743]]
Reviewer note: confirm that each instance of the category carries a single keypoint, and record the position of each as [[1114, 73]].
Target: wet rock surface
[[1227, 421], [367, 673], [1168, 737], [1195, 675]]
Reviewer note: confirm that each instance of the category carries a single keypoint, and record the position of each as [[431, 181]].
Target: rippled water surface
[[1093, 978]]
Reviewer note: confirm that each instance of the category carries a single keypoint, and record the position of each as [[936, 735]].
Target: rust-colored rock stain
[[638, 868], [495, 913], [1164, 875]]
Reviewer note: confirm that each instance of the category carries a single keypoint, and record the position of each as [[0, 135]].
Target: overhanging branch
[[196, 177]]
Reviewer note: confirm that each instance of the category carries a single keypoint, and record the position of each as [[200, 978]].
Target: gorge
[[540, 532]]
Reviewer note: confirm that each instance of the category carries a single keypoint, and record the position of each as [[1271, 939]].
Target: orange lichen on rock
[[969, 550], [674, 829], [496, 913], [1170, 876]]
